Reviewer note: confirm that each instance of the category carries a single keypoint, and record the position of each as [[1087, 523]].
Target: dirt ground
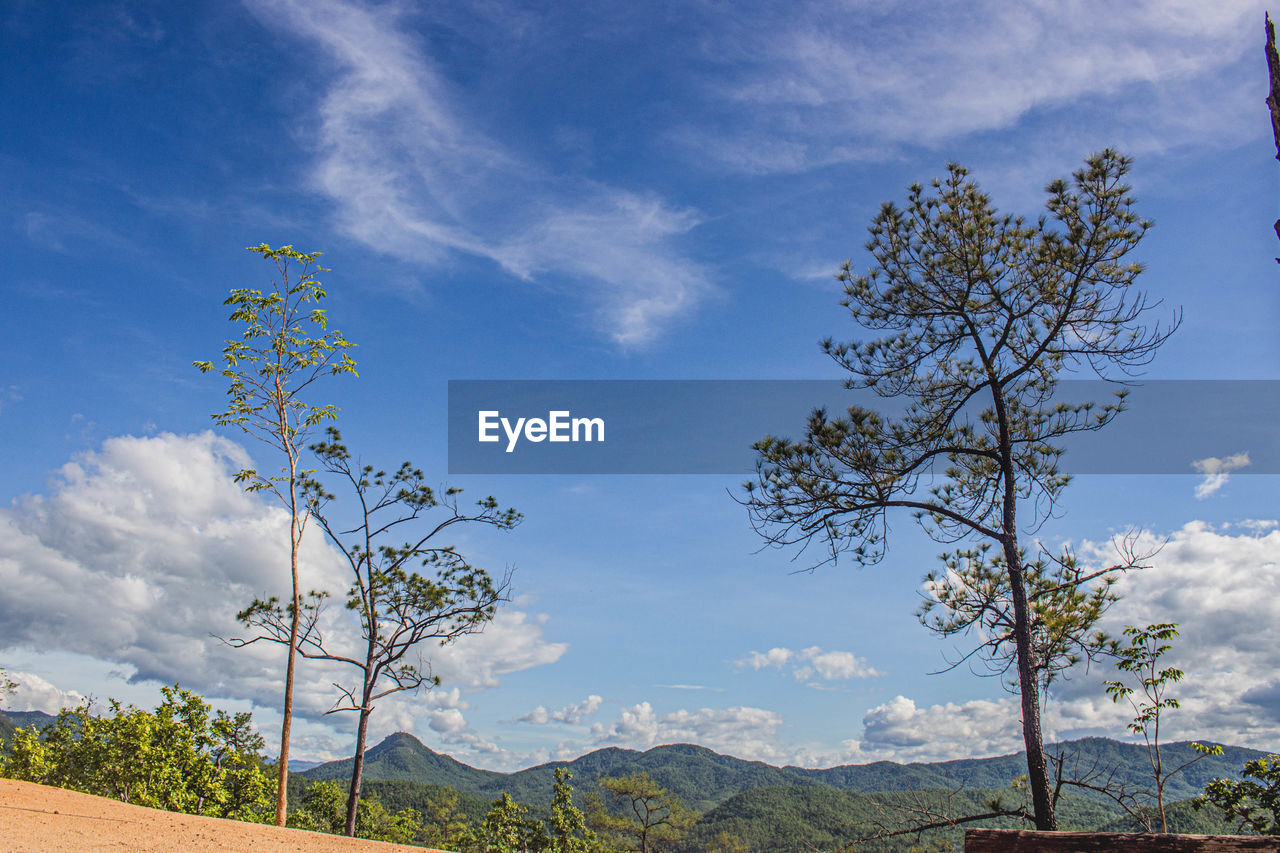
[[39, 819]]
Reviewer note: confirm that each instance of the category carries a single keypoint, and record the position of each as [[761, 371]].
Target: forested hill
[[10, 720], [703, 779]]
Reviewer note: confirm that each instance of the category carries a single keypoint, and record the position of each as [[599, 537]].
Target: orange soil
[[39, 819]]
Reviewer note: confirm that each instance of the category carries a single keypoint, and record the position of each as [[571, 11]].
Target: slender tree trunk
[[366, 693], [295, 536], [357, 766], [1160, 777]]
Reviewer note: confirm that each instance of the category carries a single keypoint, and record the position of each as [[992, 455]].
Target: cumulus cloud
[[36, 694], [901, 729], [741, 731], [827, 81], [514, 641], [1220, 585], [411, 175], [775, 657], [570, 714], [809, 663], [143, 552], [1217, 471], [452, 728], [897, 730]]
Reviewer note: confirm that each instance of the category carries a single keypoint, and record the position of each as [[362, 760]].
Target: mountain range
[[704, 779]]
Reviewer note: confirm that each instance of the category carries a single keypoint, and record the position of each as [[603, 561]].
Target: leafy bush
[[178, 757], [1255, 805], [324, 809]]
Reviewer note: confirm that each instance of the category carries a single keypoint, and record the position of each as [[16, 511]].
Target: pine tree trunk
[[1029, 688], [1028, 684], [357, 766]]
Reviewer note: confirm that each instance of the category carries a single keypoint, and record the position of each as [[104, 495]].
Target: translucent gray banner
[[709, 426]]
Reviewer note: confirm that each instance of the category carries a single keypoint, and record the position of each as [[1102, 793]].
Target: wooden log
[[1023, 841]]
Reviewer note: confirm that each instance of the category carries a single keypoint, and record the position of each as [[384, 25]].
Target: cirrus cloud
[[411, 175]]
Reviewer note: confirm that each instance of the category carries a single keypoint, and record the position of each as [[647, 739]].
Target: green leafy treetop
[[645, 813], [979, 315], [285, 346], [324, 809], [568, 832], [509, 828], [1255, 804]]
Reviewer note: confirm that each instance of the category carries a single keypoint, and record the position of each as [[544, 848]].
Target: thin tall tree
[[285, 347]]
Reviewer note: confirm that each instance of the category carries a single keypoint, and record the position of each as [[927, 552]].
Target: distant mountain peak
[[402, 739]]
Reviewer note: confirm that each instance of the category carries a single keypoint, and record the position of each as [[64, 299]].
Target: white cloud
[[833, 666], [452, 728], [905, 732], [828, 80], [740, 731], [775, 657], [571, 714], [143, 552], [412, 177], [808, 663], [36, 694], [447, 721], [1220, 587], [1217, 471], [514, 641]]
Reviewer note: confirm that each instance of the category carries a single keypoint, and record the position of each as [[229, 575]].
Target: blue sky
[[588, 191]]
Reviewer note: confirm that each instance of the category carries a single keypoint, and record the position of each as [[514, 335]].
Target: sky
[[563, 191]]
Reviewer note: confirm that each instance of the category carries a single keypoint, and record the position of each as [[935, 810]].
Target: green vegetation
[[509, 827], [324, 809], [184, 757], [1141, 657], [980, 314], [804, 812], [639, 812], [178, 757], [801, 820], [1246, 802], [286, 346]]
